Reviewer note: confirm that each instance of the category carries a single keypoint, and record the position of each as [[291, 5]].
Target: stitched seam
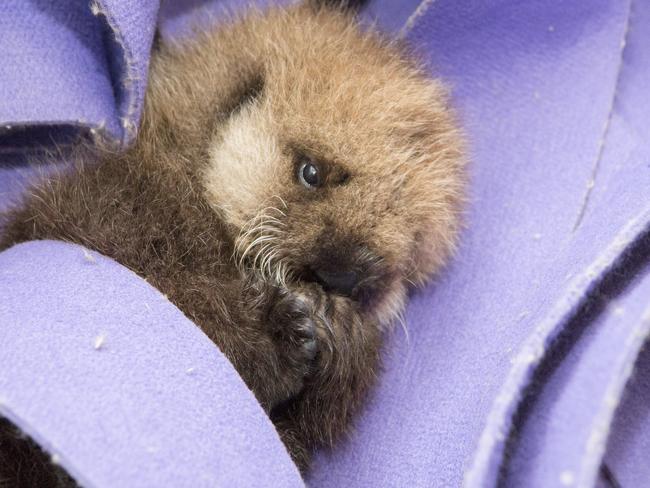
[[594, 450], [531, 353], [414, 17], [128, 77], [591, 183]]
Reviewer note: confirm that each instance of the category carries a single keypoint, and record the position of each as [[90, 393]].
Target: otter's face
[[340, 164], [343, 173]]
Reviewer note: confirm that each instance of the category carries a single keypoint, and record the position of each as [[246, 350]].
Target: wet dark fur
[[309, 355]]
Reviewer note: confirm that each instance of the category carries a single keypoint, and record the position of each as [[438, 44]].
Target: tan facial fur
[[355, 105]]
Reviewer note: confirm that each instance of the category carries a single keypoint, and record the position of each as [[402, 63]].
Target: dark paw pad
[[294, 329]]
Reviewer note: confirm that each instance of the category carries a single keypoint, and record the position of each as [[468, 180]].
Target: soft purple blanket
[[524, 363]]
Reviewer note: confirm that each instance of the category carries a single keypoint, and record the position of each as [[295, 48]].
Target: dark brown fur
[[179, 209]]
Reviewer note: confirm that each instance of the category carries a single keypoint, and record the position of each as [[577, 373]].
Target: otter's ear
[[343, 5], [248, 91]]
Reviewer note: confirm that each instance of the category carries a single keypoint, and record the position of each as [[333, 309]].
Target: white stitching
[[417, 13], [594, 449], [601, 145], [127, 77]]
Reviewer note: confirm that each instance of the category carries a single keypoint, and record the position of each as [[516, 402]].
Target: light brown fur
[[206, 205]]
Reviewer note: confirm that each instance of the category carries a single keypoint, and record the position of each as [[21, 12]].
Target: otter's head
[[335, 160]]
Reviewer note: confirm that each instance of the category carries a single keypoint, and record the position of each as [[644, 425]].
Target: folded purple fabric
[[121, 388], [74, 63], [517, 357]]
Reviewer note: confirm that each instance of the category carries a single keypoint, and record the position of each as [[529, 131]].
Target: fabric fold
[[118, 385], [72, 65]]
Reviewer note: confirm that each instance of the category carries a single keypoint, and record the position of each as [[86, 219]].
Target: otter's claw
[[295, 329]]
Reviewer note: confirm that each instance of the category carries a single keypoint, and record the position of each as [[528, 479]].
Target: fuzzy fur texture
[[208, 207]]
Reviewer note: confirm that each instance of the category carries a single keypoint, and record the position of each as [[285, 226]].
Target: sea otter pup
[[292, 177]]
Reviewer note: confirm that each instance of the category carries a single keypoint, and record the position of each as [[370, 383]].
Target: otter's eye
[[309, 174]]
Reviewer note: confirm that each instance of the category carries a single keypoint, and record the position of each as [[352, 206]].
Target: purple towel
[[519, 363]]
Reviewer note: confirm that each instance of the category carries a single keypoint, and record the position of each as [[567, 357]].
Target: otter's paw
[[294, 329]]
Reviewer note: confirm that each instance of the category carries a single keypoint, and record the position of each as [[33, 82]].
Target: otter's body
[[291, 179]]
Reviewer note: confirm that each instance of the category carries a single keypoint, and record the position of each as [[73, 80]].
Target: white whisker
[[257, 243], [401, 319]]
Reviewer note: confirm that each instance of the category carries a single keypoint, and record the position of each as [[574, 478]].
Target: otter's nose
[[342, 282]]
